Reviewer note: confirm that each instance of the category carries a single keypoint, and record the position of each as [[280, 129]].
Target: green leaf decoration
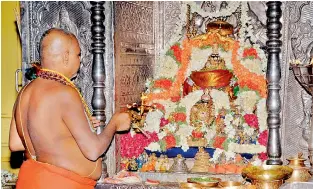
[[236, 90], [205, 47], [177, 138], [181, 123], [162, 144], [226, 143], [180, 109]]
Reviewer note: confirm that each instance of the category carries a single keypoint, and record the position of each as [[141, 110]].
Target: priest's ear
[[66, 57]]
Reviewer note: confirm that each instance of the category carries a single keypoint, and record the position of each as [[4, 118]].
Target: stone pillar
[[98, 68], [273, 76]]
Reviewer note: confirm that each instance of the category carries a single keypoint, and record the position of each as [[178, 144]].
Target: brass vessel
[[229, 184], [268, 184], [267, 176], [221, 27], [186, 185], [179, 165], [300, 171]]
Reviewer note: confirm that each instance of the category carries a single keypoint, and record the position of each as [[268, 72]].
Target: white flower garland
[[248, 130], [210, 134], [153, 121], [184, 131], [198, 59], [166, 68], [171, 127], [247, 101], [216, 155], [254, 66], [262, 114], [230, 131], [220, 100], [154, 147], [184, 143], [161, 135], [227, 56], [246, 31], [246, 148], [168, 105]]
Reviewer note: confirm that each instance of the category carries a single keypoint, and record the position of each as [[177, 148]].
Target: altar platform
[[296, 185], [139, 186]]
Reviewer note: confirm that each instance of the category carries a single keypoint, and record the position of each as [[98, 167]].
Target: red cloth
[[37, 175]]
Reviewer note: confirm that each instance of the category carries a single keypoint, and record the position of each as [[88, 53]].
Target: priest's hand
[[122, 121], [95, 122]]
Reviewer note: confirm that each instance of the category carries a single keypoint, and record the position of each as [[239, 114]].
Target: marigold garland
[[247, 78], [243, 74], [163, 83], [177, 52], [170, 141], [250, 52]]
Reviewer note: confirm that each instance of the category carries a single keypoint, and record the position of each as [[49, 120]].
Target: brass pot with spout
[[300, 171]]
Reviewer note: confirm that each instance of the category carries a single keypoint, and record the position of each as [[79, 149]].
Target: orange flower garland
[[245, 77], [163, 83]]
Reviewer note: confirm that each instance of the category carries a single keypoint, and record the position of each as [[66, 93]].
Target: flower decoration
[[170, 141], [244, 94], [252, 120], [134, 146], [218, 142], [250, 53], [153, 121], [244, 75], [179, 117], [197, 134], [163, 84], [163, 122], [177, 51], [263, 156], [263, 138]]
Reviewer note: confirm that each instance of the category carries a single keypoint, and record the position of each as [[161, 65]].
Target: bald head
[[55, 41], [58, 49]]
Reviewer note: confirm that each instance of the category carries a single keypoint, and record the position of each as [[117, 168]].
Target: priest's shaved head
[[60, 51]]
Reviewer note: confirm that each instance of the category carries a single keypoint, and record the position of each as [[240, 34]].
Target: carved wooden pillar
[[98, 68], [273, 76]]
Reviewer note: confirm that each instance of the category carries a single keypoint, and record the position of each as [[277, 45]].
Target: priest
[[52, 124]]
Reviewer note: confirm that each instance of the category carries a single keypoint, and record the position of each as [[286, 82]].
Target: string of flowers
[[244, 76], [242, 73]]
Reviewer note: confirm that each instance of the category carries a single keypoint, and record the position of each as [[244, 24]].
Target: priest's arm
[[91, 145]]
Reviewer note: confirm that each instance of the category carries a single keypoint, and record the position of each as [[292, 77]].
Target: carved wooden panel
[[39, 16], [134, 50], [297, 44], [134, 53]]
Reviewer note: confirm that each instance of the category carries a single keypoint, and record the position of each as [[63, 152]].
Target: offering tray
[[267, 172], [267, 176], [205, 181]]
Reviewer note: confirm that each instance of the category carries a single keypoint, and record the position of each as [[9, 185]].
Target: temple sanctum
[[219, 92]]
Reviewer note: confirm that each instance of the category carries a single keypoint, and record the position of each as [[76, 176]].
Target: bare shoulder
[[66, 94]]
